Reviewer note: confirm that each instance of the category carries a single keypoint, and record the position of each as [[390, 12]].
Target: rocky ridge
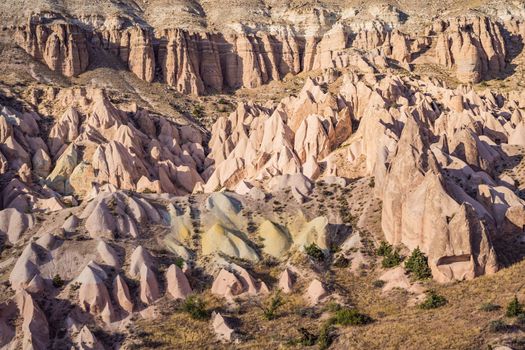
[[474, 47]]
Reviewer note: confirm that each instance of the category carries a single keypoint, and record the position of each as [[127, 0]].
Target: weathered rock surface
[[221, 328], [196, 62], [177, 283], [93, 295]]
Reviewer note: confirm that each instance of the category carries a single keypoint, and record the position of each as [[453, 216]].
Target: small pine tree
[[417, 265], [314, 252], [392, 259], [514, 308], [384, 249]]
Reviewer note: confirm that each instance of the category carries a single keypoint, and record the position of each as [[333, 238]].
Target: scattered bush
[[75, 286], [514, 308], [196, 307], [433, 301], [197, 111], [417, 265], [391, 256], [307, 338], [384, 249], [332, 307], [314, 252], [378, 283], [325, 337], [58, 282], [179, 262], [350, 317], [270, 311], [391, 260], [497, 326], [489, 307]]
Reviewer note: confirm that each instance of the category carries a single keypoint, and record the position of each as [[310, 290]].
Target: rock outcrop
[[34, 328], [222, 329], [177, 283], [473, 46], [93, 295], [61, 46]]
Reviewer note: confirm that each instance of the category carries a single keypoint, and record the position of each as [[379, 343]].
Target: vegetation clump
[[391, 256], [323, 340], [314, 252], [417, 265], [270, 310], [196, 307], [307, 338], [350, 317], [326, 336], [58, 282], [179, 262], [433, 301], [515, 308], [378, 283], [384, 249], [497, 326]]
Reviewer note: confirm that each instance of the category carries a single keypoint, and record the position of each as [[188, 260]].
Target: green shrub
[[332, 307], [75, 286], [378, 283], [196, 307], [489, 307], [197, 111], [270, 310], [384, 249], [392, 259], [325, 336], [417, 265], [514, 308], [497, 326], [58, 282], [433, 301], [314, 252], [350, 317], [179, 262], [307, 338]]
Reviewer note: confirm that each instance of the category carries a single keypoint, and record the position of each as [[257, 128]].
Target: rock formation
[[177, 283], [200, 62]]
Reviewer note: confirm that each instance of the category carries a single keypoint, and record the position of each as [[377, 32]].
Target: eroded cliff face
[[61, 46], [196, 63], [474, 47], [133, 45]]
